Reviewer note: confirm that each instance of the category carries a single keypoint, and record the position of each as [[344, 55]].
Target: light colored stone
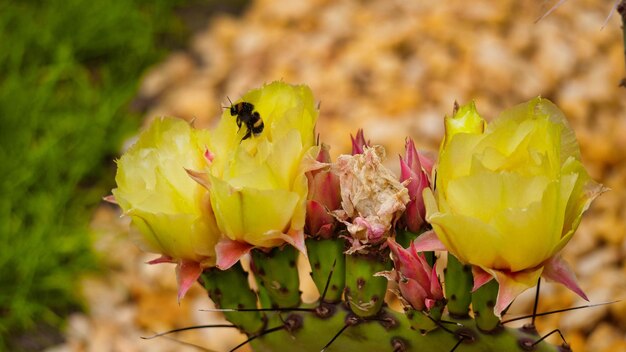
[[597, 261], [174, 70]]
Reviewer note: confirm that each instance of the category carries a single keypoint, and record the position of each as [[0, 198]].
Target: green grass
[[68, 69]]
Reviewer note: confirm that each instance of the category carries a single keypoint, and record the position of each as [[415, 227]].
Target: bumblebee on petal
[[247, 116]]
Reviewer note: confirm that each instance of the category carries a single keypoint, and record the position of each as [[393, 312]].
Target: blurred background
[[78, 78]]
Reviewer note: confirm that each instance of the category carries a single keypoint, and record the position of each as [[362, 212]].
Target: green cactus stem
[[458, 287], [421, 321], [230, 289], [389, 331], [276, 271], [483, 301], [326, 257], [426, 321], [365, 293]]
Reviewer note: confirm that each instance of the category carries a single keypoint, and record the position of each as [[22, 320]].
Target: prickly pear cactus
[[260, 189], [324, 326]]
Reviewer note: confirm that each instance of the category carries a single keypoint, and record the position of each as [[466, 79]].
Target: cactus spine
[[309, 327], [389, 332]]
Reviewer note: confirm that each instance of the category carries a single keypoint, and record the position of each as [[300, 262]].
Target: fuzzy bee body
[[248, 117]]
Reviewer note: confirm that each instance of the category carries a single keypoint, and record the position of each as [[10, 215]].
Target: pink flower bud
[[414, 175], [323, 197], [418, 283], [359, 142]]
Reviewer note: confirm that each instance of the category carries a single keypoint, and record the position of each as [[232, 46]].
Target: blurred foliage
[[68, 70]]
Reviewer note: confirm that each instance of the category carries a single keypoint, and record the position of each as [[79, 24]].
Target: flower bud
[[359, 142], [415, 178], [418, 283], [323, 197]]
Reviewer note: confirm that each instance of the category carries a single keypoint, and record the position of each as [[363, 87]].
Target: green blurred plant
[[68, 70]]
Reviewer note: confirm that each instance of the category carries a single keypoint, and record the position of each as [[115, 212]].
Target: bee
[[247, 116]]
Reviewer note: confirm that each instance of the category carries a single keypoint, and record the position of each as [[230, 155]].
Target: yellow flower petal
[[166, 205], [259, 190], [511, 196]]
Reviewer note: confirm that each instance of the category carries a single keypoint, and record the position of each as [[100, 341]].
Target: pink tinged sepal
[[428, 241], [229, 252], [110, 199], [481, 277], [415, 178], [359, 142], [415, 209], [319, 221], [429, 303], [435, 285], [162, 259], [417, 160], [408, 262], [427, 162], [201, 177], [512, 285], [296, 239], [417, 281], [413, 293], [414, 215], [556, 269], [324, 155], [187, 272]]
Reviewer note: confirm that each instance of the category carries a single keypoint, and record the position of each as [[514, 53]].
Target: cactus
[[359, 319], [328, 266], [365, 293], [275, 195], [391, 332], [229, 288], [483, 301], [312, 327], [276, 273], [458, 279]]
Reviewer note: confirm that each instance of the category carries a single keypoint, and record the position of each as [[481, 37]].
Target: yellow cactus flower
[[258, 185], [170, 210], [510, 197]]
